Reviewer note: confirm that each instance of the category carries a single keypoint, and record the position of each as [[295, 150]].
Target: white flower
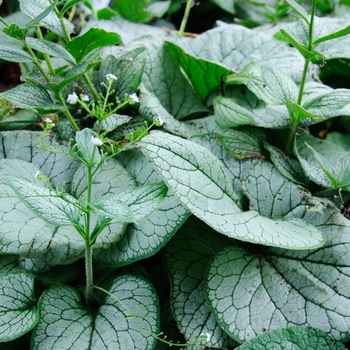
[[134, 97], [158, 121], [110, 77], [85, 98], [72, 98], [37, 174], [96, 141], [207, 336], [49, 121]]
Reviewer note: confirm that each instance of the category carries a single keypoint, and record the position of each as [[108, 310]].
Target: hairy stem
[[89, 296], [185, 17]]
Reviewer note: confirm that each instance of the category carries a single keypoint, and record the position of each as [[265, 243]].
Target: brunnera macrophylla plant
[[215, 169]]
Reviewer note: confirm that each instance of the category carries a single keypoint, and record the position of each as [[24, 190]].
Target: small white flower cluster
[[49, 121], [158, 121], [73, 98], [110, 77], [134, 97], [96, 141], [207, 336]]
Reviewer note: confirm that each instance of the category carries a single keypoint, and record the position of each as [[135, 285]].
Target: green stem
[[185, 17], [88, 246], [293, 128], [46, 56], [67, 112]]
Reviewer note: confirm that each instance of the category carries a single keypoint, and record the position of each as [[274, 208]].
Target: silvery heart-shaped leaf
[[296, 337], [127, 318], [18, 314], [45, 203], [199, 181], [141, 241], [187, 256], [253, 291]]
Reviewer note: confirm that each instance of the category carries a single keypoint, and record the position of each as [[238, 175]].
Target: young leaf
[[127, 320], [312, 56], [297, 113], [94, 38], [342, 170], [141, 202], [252, 76], [15, 31], [229, 114], [280, 84], [14, 55], [242, 144], [133, 11], [335, 35], [299, 10], [47, 204], [50, 48], [18, 314], [29, 96], [325, 165], [87, 149]]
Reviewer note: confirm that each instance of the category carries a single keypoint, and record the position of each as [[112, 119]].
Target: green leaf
[[242, 144], [158, 8], [29, 96], [299, 10], [47, 204], [226, 5], [199, 181], [36, 9], [297, 113], [205, 76], [113, 122], [68, 5], [296, 337], [127, 320], [74, 73], [94, 38], [14, 55], [187, 257], [341, 140], [230, 114], [15, 31], [20, 120], [312, 56], [133, 11], [332, 36], [234, 47], [88, 151], [50, 48], [173, 91], [18, 314]]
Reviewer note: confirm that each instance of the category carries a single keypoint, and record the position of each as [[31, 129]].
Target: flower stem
[[89, 296], [185, 17]]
